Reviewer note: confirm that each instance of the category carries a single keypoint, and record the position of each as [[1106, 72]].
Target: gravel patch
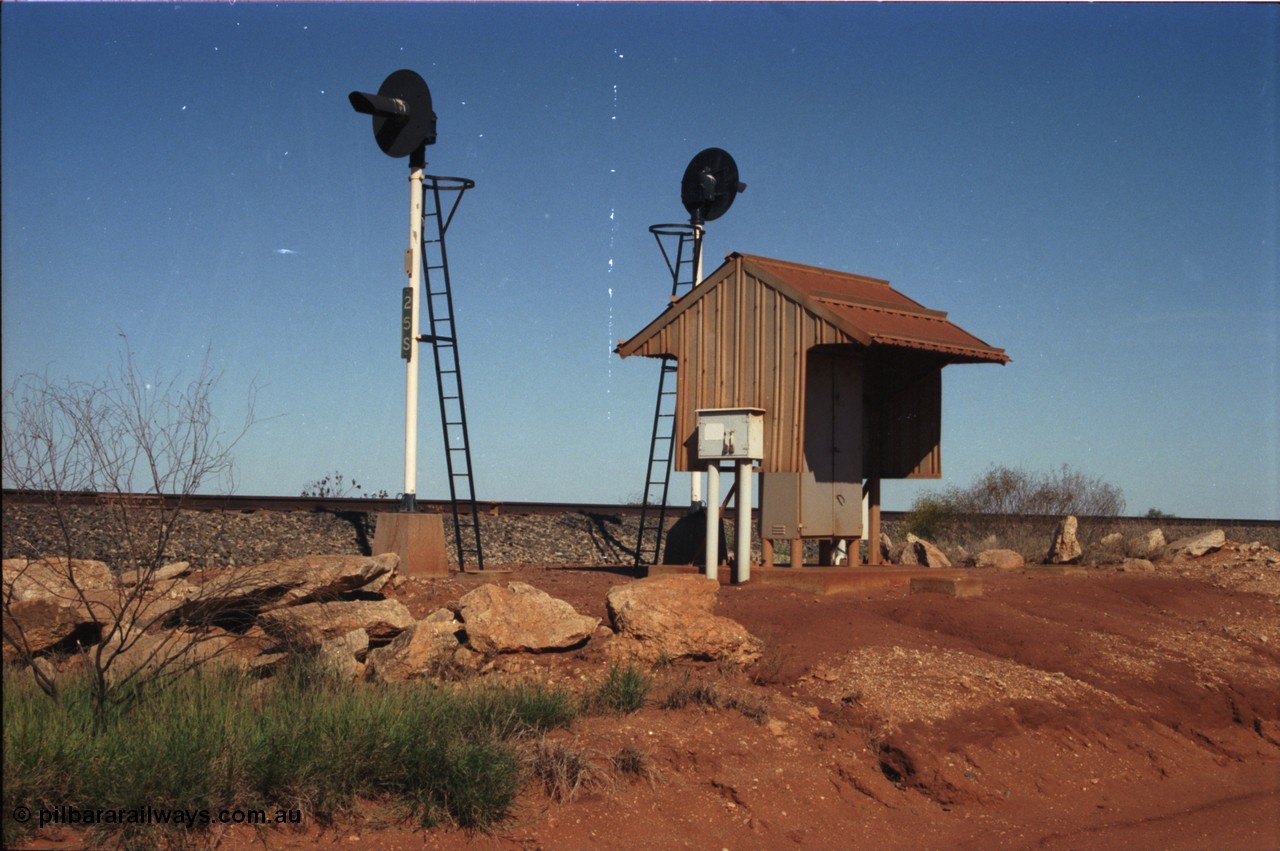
[[234, 539], [900, 686]]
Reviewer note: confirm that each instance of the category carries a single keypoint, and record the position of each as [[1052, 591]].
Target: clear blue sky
[[1091, 187]]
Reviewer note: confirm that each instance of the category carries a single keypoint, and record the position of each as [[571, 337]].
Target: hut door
[[831, 483]]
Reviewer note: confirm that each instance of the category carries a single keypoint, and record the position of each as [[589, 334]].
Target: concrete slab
[[668, 569], [824, 580]]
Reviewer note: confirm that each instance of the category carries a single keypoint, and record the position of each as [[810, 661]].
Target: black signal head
[[709, 185], [403, 121]]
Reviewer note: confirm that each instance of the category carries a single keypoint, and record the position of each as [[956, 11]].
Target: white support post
[[712, 551], [695, 478], [742, 566], [413, 263]]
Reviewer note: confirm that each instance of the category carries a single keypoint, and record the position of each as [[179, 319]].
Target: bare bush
[[142, 445], [994, 509], [334, 485], [1006, 490]]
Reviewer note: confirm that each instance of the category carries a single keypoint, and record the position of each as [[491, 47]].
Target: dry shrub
[[1011, 508], [564, 769], [635, 762], [768, 668], [754, 710], [142, 444], [685, 692], [1013, 490]]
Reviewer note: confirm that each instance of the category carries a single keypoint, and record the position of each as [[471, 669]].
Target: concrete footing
[[1057, 569], [417, 538], [828, 580]]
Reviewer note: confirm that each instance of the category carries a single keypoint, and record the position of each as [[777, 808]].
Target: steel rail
[[364, 505], [249, 503]]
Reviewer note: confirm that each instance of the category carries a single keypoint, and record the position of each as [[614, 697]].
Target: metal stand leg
[[743, 562], [712, 560]]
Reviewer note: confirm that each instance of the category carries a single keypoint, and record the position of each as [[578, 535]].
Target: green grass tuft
[[624, 690], [302, 740]]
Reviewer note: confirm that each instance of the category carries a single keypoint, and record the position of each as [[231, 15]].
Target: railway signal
[[404, 123], [707, 189]]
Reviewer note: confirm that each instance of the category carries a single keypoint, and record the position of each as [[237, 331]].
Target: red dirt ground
[[1093, 711]]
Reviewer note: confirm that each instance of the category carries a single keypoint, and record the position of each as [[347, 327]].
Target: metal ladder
[[444, 343], [683, 266]]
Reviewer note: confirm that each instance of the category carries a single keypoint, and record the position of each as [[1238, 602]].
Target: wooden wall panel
[[744, 342], [906, 430], [743, 345]]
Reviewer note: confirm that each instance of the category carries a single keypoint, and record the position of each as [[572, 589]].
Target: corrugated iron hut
[[847, 369]]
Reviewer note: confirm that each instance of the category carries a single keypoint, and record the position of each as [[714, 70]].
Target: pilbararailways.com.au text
[[171, 816]]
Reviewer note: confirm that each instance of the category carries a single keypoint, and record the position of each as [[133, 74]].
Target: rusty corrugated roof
[[869, 309], [865, 310]]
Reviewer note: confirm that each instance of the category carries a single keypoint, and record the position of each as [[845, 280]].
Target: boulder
[[1109, 550], [312, 624], [92, 614], [166, 595], [1064, 548], [1146, 546], [54, 577], [140, 608], [126, 611], [267, 664], [328, 577], [164, 573], [386, 580], [46, 668], [925, 553], [1000, 559], [670, 617], [521, 619], [343, 653], [40, 624], [288, 583], [1194, 546], [1136, 565], [175, 651], [422, 650], [886, 546]]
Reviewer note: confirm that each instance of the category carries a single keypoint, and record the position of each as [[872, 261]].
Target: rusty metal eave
[[959, 354]]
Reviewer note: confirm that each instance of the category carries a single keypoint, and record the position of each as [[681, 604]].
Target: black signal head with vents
[[709, 185], [403, 121]]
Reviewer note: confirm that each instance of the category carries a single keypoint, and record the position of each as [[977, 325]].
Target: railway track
[[366, 505], [336, 505]]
